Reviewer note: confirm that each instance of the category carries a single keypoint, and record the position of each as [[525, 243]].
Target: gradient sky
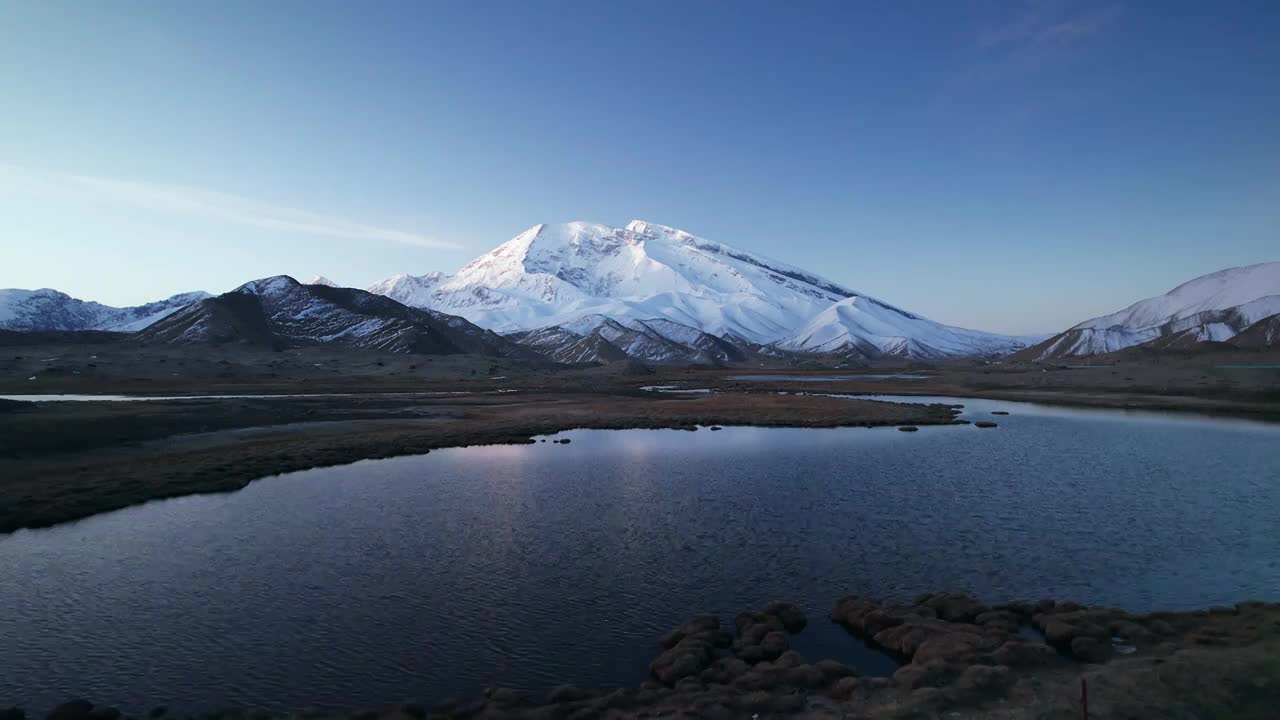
[[1009, 166]]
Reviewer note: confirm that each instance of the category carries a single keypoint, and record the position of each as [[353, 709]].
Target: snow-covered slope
[[865, 327], [1214, 307], [553, 276], [45, 309], [412, 290], [279, 311], [322, 280]]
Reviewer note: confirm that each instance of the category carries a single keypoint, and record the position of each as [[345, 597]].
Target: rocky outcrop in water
[[961, 658]]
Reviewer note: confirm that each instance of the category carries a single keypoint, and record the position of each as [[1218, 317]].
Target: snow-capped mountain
[[1214, 307], [322, 280], [552, 278], [45, 309], [412, 290], [279, 312]]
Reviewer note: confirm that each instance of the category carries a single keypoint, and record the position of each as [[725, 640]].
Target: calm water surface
[[824, 378], [425, 577]]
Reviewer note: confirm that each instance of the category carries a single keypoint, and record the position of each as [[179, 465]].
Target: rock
[[850, 609], [918, 675], [691, 655], [955, 607], [986, 679], [505, 696], [834, 671], [724, 670], [157, 712], [751, 654], [756, 700], [753, 634], [715, 428], [690, 685], [1005, 620], [908, 428], [1057, 632], [415, 710], [104, 713], [999, 412], [788, 704], [952, 647], [567, 693], [670, 670], [877, 683], [12, 713], [804, 676], [698, 625], [1162, 627], [564, 441], [792, 617], [1090, 650], [77, 709], [1023, 654], [774, 644], [789, 659], [755, 680], [845, 687], [984, 424]]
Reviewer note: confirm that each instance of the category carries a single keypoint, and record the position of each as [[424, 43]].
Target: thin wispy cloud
[[209, 204], [1040, 35]]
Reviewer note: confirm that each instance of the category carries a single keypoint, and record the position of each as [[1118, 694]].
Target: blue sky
[[1010, 166]]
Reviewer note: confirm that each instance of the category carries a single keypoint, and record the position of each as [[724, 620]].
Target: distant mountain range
[[46, 309], [581, 292], [1215, 308]]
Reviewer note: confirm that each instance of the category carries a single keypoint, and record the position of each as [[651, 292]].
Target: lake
[[532, 565]]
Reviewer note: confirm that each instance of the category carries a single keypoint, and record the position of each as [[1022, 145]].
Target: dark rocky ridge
[[279, 312]]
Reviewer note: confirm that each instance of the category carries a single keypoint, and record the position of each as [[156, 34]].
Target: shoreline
[[141, 454], [957, 654], [69, 460]]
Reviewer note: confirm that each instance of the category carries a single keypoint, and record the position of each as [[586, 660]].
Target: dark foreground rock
[[961, 658]]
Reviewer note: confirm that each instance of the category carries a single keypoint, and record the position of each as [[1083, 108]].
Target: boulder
[[984, 424], [834, 671], [985, 679], [792, 618], [789, 659], [955, 607], [804, 676], [908, 428], [567, 693], [952, 646], [756, 680], [1090, 650], [774, 644], [845, 687], [77, 709], [724, 670], [1024, 654], [1005, 620], [917, 675], [703, 624], [751, 654]]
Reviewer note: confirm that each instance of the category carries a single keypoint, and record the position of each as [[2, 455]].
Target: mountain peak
[[269, 286], [322, 280]]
